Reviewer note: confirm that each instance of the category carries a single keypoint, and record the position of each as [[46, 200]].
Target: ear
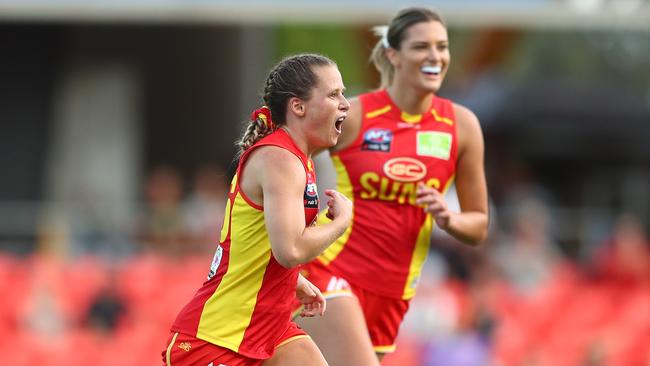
[[297, 106], [393, 56]]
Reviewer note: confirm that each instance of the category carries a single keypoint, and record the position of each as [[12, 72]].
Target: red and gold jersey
[[385, 247], [246, 302]]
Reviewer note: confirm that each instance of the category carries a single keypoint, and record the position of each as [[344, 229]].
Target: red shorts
[[184, 349], [383, 314]]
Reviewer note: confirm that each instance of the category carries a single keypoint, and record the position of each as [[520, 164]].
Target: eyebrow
[[427, 42]]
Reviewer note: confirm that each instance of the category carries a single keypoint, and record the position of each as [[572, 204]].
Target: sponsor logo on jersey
[[216, 260], [377, 139], [405, 169], [311, 196], [337, 284], [185, 346], [416, 126], [434, 144]]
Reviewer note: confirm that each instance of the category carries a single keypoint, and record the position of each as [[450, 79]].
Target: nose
[[344, 105], [434, 54]]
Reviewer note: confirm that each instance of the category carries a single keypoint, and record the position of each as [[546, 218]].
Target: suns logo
[[405, 169]]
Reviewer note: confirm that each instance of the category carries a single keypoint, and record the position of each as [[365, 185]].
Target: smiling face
[[326, 108], [423, 56]]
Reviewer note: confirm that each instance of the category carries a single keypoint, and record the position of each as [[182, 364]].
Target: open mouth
[[339, 123], [431, 70]]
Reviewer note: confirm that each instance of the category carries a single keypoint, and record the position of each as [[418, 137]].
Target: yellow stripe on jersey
[[378, 112], [226, 219], [438, 118], [226, 223], [419, 256], [448, 184], [168, 354], [233, 184], [385, 349], [343, 185], [250, 253], [411, 118], [421, 250]]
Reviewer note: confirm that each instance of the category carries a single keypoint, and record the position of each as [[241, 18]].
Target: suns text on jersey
[[374, 186]]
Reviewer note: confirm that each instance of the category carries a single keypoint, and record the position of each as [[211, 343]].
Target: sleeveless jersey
[[246, 302], [385, 247]]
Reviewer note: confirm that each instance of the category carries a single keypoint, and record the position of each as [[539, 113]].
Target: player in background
[[401, 148]]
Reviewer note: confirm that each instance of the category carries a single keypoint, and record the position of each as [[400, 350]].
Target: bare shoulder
[[274, 159], [468, 126], [351, 125], [465, 118], [271, 169]]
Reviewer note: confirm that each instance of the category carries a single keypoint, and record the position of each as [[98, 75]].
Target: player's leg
[[297, 352], [341, 333], [383, 317]]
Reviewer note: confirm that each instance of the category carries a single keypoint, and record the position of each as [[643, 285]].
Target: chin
[[430, 88]]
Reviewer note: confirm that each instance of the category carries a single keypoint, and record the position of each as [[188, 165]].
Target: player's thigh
[[298, 352], [341, 334]]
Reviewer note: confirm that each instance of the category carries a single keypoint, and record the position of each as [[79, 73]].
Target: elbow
[[476, 236], [478, 239], [288, 259]]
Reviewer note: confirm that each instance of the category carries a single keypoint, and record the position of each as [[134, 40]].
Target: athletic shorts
[[184, 349], [383, 314]]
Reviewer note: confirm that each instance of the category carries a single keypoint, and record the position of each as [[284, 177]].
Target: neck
[[299, 139], [408, 100]]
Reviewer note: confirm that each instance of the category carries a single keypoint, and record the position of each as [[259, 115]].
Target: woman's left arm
[[470, 226]]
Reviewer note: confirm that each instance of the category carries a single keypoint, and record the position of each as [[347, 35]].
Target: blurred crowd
[[518, 299], [176, 224]]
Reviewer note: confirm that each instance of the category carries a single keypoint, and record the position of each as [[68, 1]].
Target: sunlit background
[[117, 128]]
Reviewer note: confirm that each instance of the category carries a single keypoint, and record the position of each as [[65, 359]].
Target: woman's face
[[326, 108], [423, 58]]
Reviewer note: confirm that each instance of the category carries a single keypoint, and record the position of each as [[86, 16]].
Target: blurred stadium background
[[117, 126]]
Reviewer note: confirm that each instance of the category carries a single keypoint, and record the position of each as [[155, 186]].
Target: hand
[[310, 297], [434, 204], [338, 205]]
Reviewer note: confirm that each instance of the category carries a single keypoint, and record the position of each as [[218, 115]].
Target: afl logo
[[377, 139], [311, 196], [310, 190], [405, 169], [378, 136]]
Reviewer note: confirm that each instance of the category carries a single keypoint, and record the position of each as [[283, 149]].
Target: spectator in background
[[203, 209], [526, 254], [107, 309], [161, 227], [625, 258]]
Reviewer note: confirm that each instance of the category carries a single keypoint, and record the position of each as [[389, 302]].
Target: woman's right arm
[[280, 178]]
